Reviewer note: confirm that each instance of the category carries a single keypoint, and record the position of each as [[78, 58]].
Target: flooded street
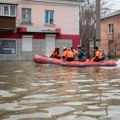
[[35, 92]]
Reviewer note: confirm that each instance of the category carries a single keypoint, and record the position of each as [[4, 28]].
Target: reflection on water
[[30, 91]]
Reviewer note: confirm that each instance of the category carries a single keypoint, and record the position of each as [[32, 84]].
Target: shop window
[[7, 46], [26, 15], [49, 16]]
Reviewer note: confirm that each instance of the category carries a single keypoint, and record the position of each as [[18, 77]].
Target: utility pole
[[98, 33]]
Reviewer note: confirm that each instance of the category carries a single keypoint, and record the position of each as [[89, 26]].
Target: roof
[[72, 2], [116, 13], [9, 1]]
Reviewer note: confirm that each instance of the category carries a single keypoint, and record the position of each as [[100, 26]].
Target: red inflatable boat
[[47, 60]]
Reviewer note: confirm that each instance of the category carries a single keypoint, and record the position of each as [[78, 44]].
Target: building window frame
[[26, 15], [14, 12], [49, 17], [8, 48], [110, 28], [8, 11]]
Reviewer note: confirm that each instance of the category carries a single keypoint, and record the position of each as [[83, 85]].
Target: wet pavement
[[47, 92]]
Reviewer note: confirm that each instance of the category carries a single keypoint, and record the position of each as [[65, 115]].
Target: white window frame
[[49, 23], [9, 14], [27, 21], [15, 10], [4, 10], [110, 28]]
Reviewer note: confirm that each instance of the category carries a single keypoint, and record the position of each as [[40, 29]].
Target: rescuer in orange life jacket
[[56, 53], [75, 52], [68, 55], [98, 55], [64, 53]]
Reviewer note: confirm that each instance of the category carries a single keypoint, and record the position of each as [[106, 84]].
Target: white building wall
[[77, 21]]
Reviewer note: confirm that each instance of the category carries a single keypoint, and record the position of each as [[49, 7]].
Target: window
[[12, 10], [26, 15], [9, 10], [7, 47], [6, 10], [49, 14], [110, 28]]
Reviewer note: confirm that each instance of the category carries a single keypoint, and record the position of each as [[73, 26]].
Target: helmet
[[57, 49], [64, 48], [96, 48]]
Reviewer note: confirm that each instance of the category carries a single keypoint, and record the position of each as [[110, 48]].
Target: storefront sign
[[41, 30], [38, 30]]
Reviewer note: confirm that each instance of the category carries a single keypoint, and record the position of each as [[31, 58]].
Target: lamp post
[[97, 41]]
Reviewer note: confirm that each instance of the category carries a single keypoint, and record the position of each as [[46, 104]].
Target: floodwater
[[47, 92]]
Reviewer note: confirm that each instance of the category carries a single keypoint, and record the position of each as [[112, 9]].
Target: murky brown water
[[34, 92]]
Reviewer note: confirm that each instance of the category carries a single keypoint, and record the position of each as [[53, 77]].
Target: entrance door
[[49, 43], [111, 48], [27, 45]]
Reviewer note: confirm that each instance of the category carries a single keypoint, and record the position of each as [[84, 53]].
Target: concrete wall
[[38, 48]]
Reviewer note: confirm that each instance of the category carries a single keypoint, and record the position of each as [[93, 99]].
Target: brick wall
[[115, 36]]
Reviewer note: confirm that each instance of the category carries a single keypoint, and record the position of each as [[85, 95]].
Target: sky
[[115, 4]]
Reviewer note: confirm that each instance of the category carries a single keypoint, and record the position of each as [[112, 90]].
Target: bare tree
[[88, 21]]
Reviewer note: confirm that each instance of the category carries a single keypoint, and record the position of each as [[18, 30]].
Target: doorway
[[111, 49], [49, 43]]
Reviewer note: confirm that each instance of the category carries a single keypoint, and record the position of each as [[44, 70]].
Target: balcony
[[7, 24]]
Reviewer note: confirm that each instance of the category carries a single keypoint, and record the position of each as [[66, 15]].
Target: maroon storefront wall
[[75, 38]]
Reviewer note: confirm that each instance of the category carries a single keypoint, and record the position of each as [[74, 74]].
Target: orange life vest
[[55, 53], [98, 54], [65, 53], [70, 54]]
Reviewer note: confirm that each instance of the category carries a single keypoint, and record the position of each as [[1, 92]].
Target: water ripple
[[29, 91], [29, 116], [57, 110], [5, 93]]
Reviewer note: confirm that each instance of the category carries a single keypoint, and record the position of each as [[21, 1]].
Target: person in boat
[[98, 55], [68, 55], [64, 53], [78, 49], [103, 55], [81, 54], [56, 53], [74, 52]]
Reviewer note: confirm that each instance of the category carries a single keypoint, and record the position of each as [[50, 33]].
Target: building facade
[[110, 34], [32, 27]]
